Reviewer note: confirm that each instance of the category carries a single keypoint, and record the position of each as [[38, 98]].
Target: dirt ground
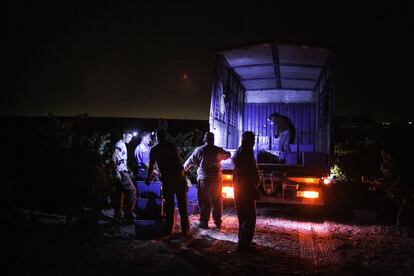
[[286, 244]]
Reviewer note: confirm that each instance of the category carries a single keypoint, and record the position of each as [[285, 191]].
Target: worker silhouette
[[246, 181], [207, 158], [165, 155]]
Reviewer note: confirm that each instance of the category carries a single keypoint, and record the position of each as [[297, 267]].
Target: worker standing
[[165, 156], [142, 156], [207, 159], [246, 181], [124, 185]]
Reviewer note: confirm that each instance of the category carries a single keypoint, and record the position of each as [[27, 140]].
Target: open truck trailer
[[296, 81]]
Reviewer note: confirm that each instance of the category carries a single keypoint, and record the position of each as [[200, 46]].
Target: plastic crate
[[152, 190], [192, 193], [149, 208], [192, 207]]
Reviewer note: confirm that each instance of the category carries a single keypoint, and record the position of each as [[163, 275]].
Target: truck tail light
[[306, 180], [228, 192], [310, 194]]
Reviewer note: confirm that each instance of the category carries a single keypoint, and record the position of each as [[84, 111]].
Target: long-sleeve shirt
[[207, 159]]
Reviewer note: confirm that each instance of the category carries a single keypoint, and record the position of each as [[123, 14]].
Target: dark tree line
[[381, 162], [64, 167], [61, 167]]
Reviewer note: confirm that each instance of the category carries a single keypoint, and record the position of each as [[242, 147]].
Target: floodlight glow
[[134, 133], [326, 180]]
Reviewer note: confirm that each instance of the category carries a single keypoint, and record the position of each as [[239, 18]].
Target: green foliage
[[162, 124], [339, 174], [357, 160], [342, 149], [70, 168], [186, 144], [397, 180]]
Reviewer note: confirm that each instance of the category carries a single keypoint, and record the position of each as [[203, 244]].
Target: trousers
[[175, 186], [246, 215], [124, 185], [210, 195]]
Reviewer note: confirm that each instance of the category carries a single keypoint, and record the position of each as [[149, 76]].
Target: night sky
[[156, 59]]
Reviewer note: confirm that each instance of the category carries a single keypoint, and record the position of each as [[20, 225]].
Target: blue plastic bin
[[153, 190], [149, 208], [192, 193]]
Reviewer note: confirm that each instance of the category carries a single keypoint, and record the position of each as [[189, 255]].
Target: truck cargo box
[[294, 80]]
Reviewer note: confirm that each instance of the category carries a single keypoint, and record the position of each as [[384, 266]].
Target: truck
[[295, 80]]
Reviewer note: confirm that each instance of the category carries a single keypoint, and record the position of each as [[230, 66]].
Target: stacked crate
[[149, 210], [192, 202], [149, 200]]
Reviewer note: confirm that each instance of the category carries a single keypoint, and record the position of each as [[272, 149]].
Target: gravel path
[[285, 245]]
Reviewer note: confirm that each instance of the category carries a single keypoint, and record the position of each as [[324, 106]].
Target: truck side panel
[[227, 104]]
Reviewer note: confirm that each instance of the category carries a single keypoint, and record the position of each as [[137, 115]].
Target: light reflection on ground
[[301, 244], [286, 244], [264, 223], [288, 224]]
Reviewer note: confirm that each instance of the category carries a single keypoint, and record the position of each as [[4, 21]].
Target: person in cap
[[207, 159]]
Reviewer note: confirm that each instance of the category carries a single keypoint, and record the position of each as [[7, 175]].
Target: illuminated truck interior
[[296, 81]]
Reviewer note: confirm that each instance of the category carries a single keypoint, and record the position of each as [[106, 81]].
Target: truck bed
[[312, 164], [292, 201]]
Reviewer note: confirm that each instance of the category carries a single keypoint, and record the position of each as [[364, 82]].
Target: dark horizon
[[151, 60], [338, 119]]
